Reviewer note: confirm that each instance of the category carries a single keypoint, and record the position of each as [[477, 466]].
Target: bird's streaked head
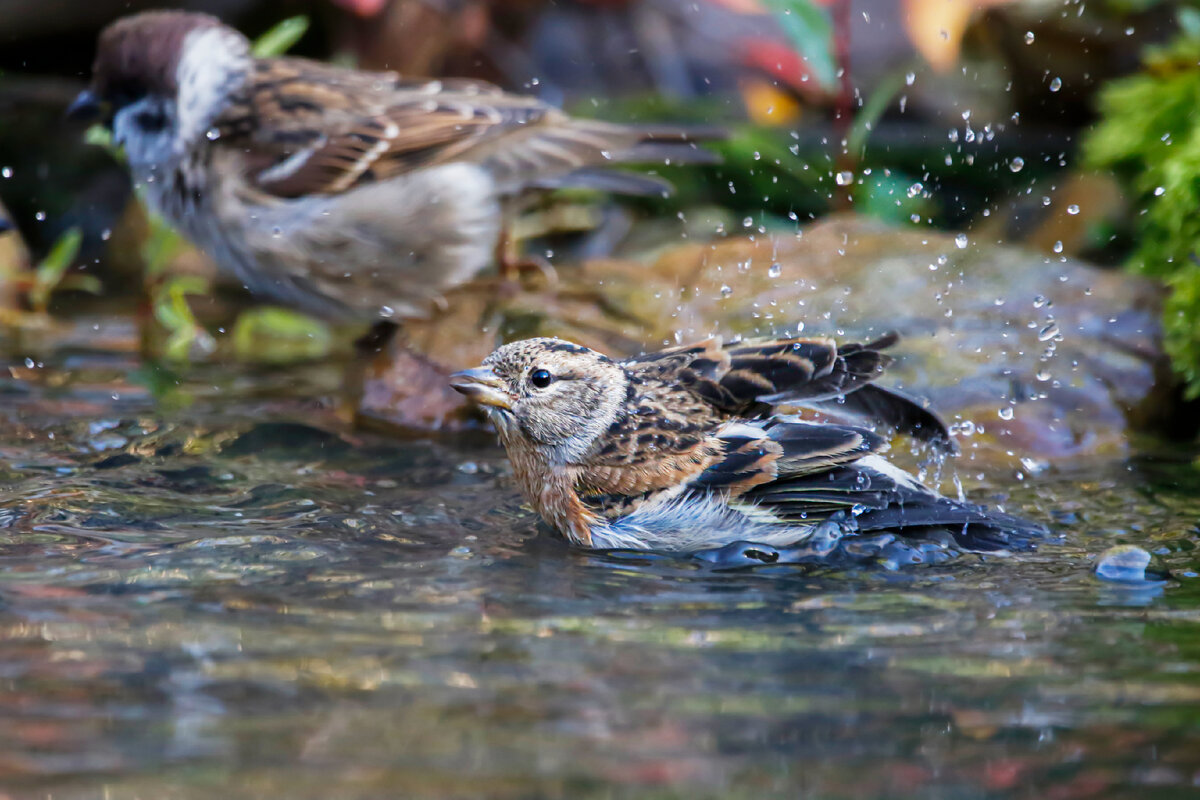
[[549, 395], [160, 78]]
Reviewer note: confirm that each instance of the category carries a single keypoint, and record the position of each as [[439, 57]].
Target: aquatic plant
[[1149, 137]]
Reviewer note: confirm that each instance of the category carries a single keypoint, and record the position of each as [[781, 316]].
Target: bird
[[346, 194], [687, 449]]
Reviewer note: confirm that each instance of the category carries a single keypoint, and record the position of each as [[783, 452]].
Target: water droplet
[[774, 271], [1048, 332], [726, 290], [212, 134], [277, 231], [1017, 164], [960, 241], [916, 189], [844, 178], [909, 78], [1005, 413], [106, 234], [1043, 374], [1072, 209], [1055, 84], [40, 216], [1040, 301], [1159, 190], [1058, 247], [748, 222], [1029, 37], [5, 172]]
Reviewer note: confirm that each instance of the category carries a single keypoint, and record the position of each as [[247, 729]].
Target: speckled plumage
[[348, 194], [684, 450]]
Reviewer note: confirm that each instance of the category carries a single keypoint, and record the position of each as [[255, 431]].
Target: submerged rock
[[1032, 357], [1128, 563]]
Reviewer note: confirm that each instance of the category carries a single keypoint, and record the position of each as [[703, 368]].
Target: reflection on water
[[245, 599]]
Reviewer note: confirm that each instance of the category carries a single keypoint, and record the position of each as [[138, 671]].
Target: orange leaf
[[936, 27]]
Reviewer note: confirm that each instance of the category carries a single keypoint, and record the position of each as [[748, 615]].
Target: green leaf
[[171, 308], [278, 335], [281, 38], [82, 283], [872, 111], [811, 32], [54, 266], [160, 247]]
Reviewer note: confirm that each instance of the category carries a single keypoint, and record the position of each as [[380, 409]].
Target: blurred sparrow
[[346, 194], [680, 450]]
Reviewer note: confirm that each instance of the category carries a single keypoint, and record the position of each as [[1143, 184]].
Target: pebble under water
[[223, 591]]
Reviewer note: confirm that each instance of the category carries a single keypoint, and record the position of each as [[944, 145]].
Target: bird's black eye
[[541, 378], [151, 121]]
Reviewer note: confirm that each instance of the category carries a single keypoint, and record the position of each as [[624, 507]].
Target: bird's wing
[[749, 379], [730, 459], [786, 472], [309, 128], [808, 486], [783, 449]]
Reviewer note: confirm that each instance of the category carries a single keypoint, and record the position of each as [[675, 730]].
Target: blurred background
[[1053, 130]]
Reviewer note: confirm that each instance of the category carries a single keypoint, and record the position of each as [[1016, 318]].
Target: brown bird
[[347, 194], [682, 450]]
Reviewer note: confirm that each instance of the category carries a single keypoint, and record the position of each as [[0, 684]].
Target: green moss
[[1150, 137]]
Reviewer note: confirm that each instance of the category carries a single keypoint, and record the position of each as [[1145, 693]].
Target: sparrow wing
[[315, 129], [749, 379], [793, 471], [730, 460], [785, 448]]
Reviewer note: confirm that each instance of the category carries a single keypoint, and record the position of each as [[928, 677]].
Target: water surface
[[227, 592]]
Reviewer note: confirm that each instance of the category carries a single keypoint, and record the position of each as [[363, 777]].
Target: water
[[243, 598]]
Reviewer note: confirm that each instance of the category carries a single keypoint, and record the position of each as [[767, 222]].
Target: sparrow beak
[[483, 386], [84, 108]]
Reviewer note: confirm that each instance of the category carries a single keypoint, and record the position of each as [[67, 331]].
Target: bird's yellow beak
[[483, 386]]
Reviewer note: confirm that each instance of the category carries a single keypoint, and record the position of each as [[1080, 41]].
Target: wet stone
[[1037, 361]]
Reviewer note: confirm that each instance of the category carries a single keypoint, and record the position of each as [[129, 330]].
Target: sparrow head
[[549, 395], [160, 78]]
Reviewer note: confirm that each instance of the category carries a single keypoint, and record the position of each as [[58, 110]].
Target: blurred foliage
[[51, 274], [280, 38], [811, 31], [1150, 138], [279, 335]]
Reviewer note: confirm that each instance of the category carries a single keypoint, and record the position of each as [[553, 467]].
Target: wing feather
[[333, 129], [750, 379]]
